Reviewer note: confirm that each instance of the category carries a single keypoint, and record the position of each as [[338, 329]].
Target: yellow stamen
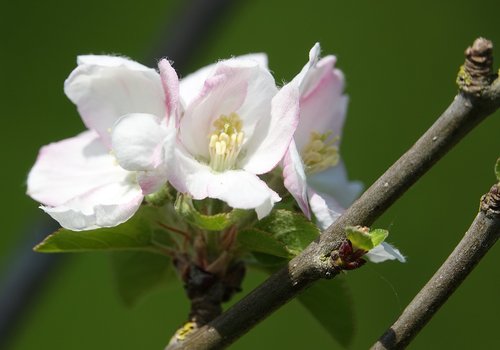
[[225, 142], [321, 152]]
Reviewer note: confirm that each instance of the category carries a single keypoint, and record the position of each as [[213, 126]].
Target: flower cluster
[[225, 132]]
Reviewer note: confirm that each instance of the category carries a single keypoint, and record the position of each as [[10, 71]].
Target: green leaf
[[134, 234], [378, 235], [330, 303], [283, 233], [218, 222], [497, 169], [256, 240], [268, 263], [359, 239], [138, 273]]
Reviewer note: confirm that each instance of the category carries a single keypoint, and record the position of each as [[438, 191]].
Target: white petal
[[313, 59], [222, 94], [137, 141], [334, 182], [383, 252], [104, 88], [239, 189], [326, 210], [191, 85], [152, 181], [295, 178], [143, 143], [272, 136], [81, 185], [257, 109], [72, 167], [105, 206]]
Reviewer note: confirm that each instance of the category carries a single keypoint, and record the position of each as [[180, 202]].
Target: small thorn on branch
[[477, 72]]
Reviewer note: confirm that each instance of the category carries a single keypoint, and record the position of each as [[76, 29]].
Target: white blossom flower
[[78, 180], [233, 125]]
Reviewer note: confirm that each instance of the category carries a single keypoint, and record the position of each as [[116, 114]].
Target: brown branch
[[466, 111], [481, 236]]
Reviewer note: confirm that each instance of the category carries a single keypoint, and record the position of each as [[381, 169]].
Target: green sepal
[[283, 233], [184, 207], [139, 273], [329, 302], [159, 198], [362, 238], [378, 235], [134, 234]]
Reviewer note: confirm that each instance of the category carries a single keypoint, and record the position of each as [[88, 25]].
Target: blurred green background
[[400, 59]]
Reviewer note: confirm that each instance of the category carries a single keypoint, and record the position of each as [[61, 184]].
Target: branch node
[[346, 258], [476, 74], [490, 202]]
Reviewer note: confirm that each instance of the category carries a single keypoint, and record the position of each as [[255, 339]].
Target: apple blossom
[[312, 168], [312, 163], [78, 180], [233, 125]]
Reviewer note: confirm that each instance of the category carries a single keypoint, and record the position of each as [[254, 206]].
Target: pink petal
[[322, 104], [192, 85], [295, 178], [104, 88], [170, 83], [272, 136]]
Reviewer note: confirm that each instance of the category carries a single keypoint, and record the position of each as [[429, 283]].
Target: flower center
[[320, 153], [225, 142]]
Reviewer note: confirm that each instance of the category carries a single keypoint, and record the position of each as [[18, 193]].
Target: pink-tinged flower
[[312, 169], [233, 125], [312, 164], [78, 180]]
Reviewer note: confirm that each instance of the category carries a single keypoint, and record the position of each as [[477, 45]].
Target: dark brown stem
[[480, 237], [465, 112], [206, 291]]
